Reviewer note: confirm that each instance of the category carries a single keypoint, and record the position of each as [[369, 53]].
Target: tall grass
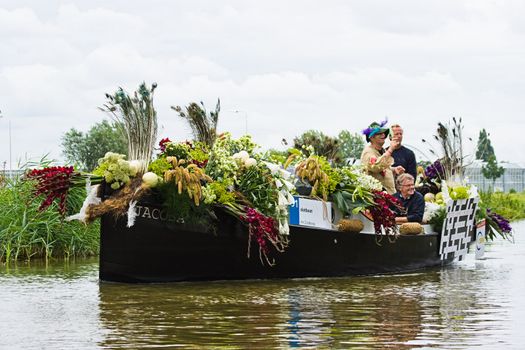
[[27, 233], [509, 205]]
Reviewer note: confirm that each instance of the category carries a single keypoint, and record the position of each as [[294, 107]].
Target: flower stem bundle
[[187, 179], [55, 182], [137, 119]]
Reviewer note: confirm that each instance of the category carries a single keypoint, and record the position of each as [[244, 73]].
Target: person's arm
[[401, 220], [375, 164]]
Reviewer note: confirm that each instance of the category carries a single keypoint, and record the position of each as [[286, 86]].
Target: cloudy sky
[[284, 66]]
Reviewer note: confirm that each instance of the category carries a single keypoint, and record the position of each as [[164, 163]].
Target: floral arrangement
[[350, 189], [54, 183], [435, 171], [383, 214], [115, 170], [444, 180], [137, 119], [496, 223], [232, 176]]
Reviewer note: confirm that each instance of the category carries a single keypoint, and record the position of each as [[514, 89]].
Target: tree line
[[84, 149]]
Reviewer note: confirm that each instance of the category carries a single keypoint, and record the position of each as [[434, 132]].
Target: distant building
[[11, 174], [513, 178]]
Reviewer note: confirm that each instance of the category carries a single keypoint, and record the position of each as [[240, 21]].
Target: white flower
[[473, 192], [285, 174], [150, 179], [274, 168], [284, 229], [281, 198], [134, 167], [249, 162], [285, 198], [290, 198], [431, 209], [444, 190], [244, 155], [288, 185]]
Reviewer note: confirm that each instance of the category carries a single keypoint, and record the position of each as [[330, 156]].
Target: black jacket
[[415, 206], [407, 159]]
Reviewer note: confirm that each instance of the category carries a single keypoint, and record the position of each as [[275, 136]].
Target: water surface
[[471, 304]]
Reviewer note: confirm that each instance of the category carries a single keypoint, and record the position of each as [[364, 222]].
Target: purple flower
[[502, 223], [435, 170]]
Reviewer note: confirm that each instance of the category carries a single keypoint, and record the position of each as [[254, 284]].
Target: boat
[[156, 249]]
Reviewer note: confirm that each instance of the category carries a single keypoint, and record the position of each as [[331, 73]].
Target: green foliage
[[491, 170], [347, 202], [220, 192], [323, 145], [337, 150], [458, 192], [484, 149], [221, 166], [115, 170], [276, 156], [352, 194], [180, 150], [257, 186], [199, 152], [27, 233], [509, 205], [351, 145], [181, 208], [333, 175], [203, 127], [438, 219], [245, 143], [84, 150], [424, 163], [159, 166], [231, 145]]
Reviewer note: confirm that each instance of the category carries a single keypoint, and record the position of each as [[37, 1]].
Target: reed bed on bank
[[27, 233], [509, 205]]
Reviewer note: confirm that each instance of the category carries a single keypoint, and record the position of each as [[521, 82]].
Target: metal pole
[[10, 144], [10, 149], [245, 120]]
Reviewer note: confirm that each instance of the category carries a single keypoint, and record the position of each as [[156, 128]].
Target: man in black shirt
[[402, 155], [411, 200]]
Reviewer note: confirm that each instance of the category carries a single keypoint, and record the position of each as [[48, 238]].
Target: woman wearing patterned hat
[[376, 161]]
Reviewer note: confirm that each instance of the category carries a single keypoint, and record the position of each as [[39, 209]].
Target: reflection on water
[[470, 304]]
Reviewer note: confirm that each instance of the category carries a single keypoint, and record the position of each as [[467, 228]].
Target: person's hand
[[401, 220], [394, 144], [398, 170]]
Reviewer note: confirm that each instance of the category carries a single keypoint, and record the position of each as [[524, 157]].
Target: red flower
[[162, 144], [54, 183], [382, 214], [263, 229], [200, 164]]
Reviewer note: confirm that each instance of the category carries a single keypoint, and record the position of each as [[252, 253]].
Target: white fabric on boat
[[90, 199]]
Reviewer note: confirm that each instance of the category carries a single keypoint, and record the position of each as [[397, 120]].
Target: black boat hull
[[162, 251]]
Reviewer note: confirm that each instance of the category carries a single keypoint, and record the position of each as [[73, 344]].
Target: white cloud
[[286, 66]]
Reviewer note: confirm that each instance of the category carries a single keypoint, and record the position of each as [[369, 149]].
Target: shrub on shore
[[509, 205]]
